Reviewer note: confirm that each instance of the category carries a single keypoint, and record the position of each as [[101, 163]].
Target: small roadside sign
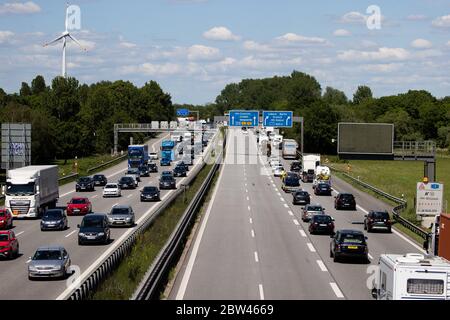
[[429, 199]]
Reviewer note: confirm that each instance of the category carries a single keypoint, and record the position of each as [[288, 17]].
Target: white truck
[[31, 190], [309, 164], [289, 149], [412, 277]]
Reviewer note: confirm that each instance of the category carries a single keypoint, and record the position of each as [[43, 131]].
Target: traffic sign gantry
[[278, 119], [244, 118]]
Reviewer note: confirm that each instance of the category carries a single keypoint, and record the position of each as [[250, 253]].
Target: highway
[[253, 245], [13, 274]]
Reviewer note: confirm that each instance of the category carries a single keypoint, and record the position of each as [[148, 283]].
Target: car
[[153, 156], [165, 162], [85, 184], [121, 215], [179, 172], [94, 229], [6, 220], [278, 171], [322, 189], [152, 167], [275, 162], [167, 182], [182, 164], [144, 170], [296, 166], [79, 206], [167, 173], [301, 197], [321, 223], [245, 132], [9, 245], [308, 176], [150, 193], [349, 244], [127, 183], [345, 201], [112, 190], [54, 219], [310, 210], [49, 262], [291, 183], [135, 172], [377, 220], [100, 180], [132, 176]]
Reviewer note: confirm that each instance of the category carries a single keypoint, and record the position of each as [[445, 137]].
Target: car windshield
[[314, 208], [150, 189], [301, 194], [352, 238], [78, 201], [83, 180], [322, 219], [47, 255], [4, 237], [111, 186], [2, 213], [323, 186], [53, 214], [347, 196], [125, 179], [292, 181], [98, 177], [92, 222], [120, 211], [19, 189], [381, 215], [166, 178]]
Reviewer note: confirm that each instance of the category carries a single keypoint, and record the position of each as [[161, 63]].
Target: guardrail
[[111, 260], [107, 163], [150, 287]]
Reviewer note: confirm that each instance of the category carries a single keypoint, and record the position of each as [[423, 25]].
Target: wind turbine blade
[[76, 41], [67, 13], [53, 41]]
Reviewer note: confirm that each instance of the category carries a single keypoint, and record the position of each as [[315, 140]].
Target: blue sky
[[193, 48]]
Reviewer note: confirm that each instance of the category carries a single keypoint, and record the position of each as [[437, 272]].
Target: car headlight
[[32, 268], [57, 268], [81, 234], [128, 219], [101, 234]]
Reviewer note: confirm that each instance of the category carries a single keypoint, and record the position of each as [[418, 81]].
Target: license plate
[[82, 188], [323, 225], [76, 210], [353, 247], [51, 225], [90, 237]]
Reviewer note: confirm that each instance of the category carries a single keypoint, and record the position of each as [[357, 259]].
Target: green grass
[[83, 164], [124, 280]]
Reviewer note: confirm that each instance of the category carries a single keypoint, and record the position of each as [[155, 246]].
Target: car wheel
[[30, 278], [365, 226], [335, 258], [80, 243], [369, 229], [389, 230], [331, 254]]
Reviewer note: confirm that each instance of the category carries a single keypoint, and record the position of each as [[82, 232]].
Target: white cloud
[[353, 17], [6, 36], [416, 17], [128, 45], [421, 44], [151, 69], [442, 22], [342, 33], [380, 54], [200, 52], [220, 34], [382, 68], [19, 8], [255, 46], [292, 37]]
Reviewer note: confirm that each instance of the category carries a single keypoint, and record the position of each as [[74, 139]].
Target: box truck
[[309, 164], [289, 149], [412, 277], [31, 190]]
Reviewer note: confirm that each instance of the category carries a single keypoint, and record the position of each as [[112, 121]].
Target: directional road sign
[[244, 118], [183, 112], [278, 119]]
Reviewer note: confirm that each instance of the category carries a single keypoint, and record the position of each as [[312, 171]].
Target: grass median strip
[[122, 283]]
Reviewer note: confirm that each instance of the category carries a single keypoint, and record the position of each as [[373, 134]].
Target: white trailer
[[289, 149], [310, 162], [31, 190], [412, 277]]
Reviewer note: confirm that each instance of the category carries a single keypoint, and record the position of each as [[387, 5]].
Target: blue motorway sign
[[278, 119], [244, 118], [183, 113]]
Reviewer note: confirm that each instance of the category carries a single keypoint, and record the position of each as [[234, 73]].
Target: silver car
[[49, 262], [121, 216], [311, 210]]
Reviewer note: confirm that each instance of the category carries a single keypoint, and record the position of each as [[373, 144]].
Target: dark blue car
[[165, 162]]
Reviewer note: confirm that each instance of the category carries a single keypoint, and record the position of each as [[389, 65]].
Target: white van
[[412, 277]]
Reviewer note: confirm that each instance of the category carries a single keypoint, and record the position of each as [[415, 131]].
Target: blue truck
[[137, 156], [167, 152]]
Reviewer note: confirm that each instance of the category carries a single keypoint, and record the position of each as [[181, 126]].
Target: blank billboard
[[366, 138]]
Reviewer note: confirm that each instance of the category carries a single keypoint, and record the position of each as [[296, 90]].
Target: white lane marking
[[311, 247], [249, 208], [256, 256], [286, 206], [251, 221], [95, 197], [130, 195], [116, 173], [395, 232], [248, 199], [370, 256], [246, 184], [296, 222], [261, 292], [322, 266], [282, 199], [278, 194], [20, 233], [71, 233], [273, 184], [336, 290], [302, 233], [246, 190], [66, 194], [115, 204], [290, 213], [28, 261], [253, 233]]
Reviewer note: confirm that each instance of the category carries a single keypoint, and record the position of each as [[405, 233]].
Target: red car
[[9, 246], [6, 220], [79, 206]]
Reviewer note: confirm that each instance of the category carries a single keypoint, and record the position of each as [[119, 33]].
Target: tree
[[362, 93], [3, 97], [334, 97], [303, 90], [25, 90], [38, 85]]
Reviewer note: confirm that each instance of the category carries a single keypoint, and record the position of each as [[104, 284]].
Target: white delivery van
[[289, 149], [412, 277]]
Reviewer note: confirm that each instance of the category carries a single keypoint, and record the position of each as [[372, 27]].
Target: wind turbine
[[64, 37]]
